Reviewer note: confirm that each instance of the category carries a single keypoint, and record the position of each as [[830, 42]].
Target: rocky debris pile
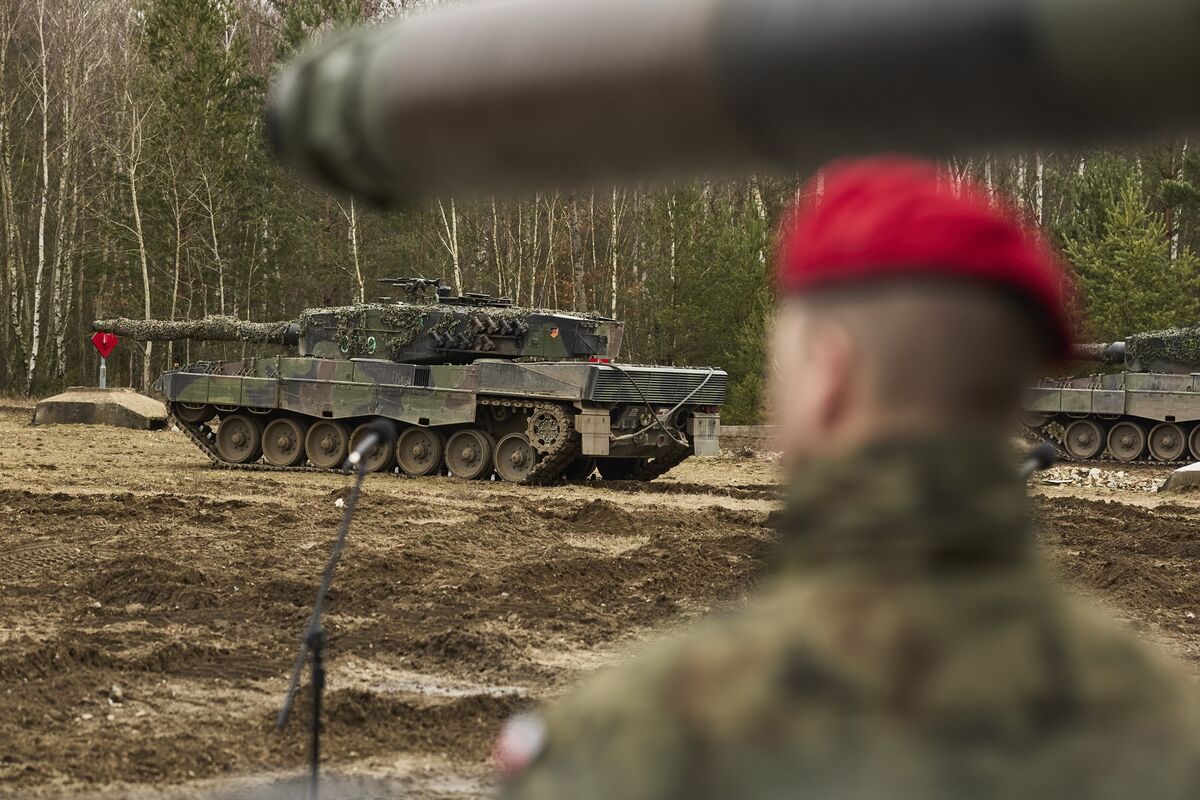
[[211, 329], [1097, 477]]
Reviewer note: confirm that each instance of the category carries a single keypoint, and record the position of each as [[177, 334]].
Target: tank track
[[205, 438], [1104, 457], [548, 471], [657, 467], [550, 468]]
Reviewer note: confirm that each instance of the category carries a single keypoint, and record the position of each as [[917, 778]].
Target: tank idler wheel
[[580, 469], [514, 458], [469, 454], [617, 469], [1126, 441], [1035, 420], [327, 444], [1167, 441], [382, 456], [1084, 439], [283, 442], [419, 452], [193, 413], [239, 439]]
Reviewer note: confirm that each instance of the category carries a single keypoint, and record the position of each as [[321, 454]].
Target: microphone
[[1040, 458], [377, 431]]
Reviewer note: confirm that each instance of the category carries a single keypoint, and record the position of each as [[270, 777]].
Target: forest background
[[134, 182]]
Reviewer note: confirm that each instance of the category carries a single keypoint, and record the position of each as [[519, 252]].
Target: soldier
[[909, 645]]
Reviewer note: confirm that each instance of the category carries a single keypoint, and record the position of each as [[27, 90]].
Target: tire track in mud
[[193, 604]]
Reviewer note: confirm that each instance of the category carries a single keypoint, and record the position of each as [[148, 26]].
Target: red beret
[[894, 217]]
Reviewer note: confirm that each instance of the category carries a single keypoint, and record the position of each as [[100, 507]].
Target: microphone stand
[[314, 640]]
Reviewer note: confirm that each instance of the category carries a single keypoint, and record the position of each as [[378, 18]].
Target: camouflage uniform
[[910, 647]]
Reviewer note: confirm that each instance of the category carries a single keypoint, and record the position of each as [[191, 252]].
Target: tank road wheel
[[1167, 441], [514, 458], [580, 469], [327, 444], [548, 425], [1083, 439], [469, 454], [1035, 420], [1126, 441], [239, 439], [381, 456], [617, 469], [1194, 443], [283, 442], [419, 452], [193, 413]]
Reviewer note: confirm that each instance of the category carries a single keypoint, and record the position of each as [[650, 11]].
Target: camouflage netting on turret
[[405, 323], [212, 329], [1173, 346]]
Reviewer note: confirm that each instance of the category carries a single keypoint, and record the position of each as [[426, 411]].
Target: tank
[[1149, 408], [471, 386]]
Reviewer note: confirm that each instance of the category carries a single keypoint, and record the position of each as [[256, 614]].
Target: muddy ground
[[152, 605]]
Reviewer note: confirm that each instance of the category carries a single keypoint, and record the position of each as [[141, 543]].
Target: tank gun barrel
[[1106, 352], [493, 96], [211, 329]]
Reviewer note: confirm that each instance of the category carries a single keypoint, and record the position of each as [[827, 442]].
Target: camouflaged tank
[[472, 386], [1151, 407]]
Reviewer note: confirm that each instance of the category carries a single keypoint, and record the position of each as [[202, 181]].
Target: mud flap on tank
[[595, 428], [705, 430]]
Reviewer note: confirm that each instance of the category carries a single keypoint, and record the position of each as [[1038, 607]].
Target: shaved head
[[856, 365]]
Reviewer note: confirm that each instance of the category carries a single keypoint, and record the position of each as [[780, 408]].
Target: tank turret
[[469, 385], [429, 325], [1174, 350]]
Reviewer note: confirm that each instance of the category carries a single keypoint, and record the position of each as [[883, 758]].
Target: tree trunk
[[60, 240], [449, 237], [612, 246], [358, 274], [1040, 189], [1177, 226], [132, 165], [177, 214], [575, 233], [43, 203]]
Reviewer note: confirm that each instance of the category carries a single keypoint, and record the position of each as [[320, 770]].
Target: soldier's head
[[910, 306]]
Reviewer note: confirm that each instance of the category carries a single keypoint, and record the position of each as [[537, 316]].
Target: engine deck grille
[[661, 386]]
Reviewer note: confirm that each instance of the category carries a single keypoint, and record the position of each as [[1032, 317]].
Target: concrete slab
[[1183, 478], [121, 408]]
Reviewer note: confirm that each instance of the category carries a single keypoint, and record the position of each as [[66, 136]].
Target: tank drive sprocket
[[548, 426], [553, 436]]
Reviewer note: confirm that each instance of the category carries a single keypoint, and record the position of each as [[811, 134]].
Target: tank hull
[[1127, 416], [628, 418]]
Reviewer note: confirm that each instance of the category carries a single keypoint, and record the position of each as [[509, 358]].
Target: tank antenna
[[314, 639]]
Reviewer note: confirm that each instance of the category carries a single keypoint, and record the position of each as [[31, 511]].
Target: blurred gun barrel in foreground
[[498, 95]]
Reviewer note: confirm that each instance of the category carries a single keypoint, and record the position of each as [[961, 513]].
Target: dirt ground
[[152, 605]]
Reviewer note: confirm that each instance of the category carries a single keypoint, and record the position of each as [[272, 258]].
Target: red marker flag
[[105, 343]]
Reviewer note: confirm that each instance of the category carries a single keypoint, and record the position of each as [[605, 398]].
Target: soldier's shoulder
[[1111, 663], [634, 729]]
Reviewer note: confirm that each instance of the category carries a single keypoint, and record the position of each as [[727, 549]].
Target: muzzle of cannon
[[481, 96]]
